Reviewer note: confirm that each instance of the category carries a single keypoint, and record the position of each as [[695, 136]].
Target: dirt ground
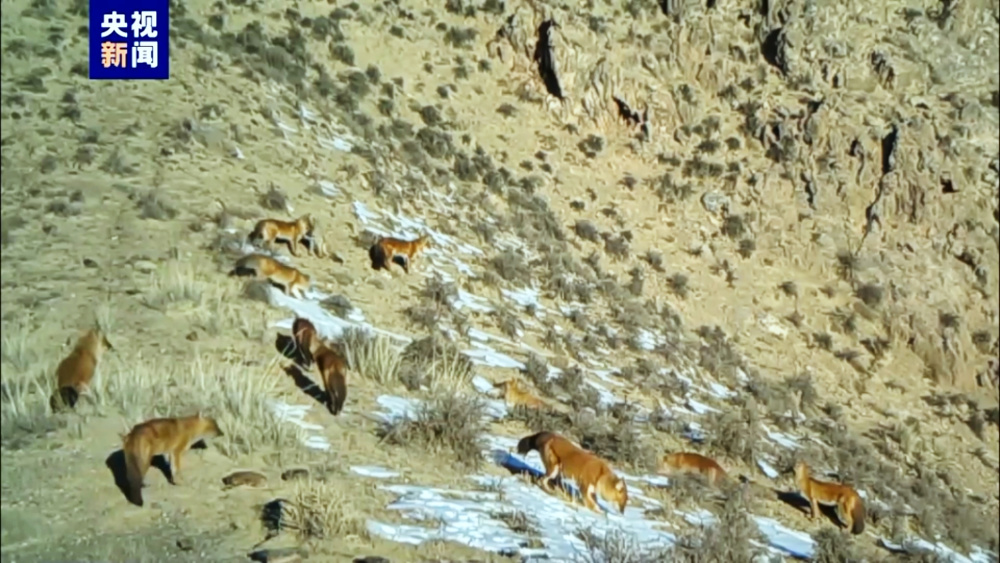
[[819, 181]]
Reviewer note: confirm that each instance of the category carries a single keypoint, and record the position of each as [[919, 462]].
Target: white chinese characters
[[114, 23], [144, 52], [144, 24], [143, 47]]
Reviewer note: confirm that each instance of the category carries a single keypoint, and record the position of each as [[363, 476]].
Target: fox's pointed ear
[[619, 485]]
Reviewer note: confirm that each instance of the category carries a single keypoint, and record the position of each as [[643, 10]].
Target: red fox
[[171, 436], [690, 462], [76, 371], [592, 474], [306, 340], [331, 366], [386, 249], [293, 233], [850, 508], [333, 370], [515, 394], [262, 267]]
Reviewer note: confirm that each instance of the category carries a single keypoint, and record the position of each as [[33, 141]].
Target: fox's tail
[[534, 442], [337, 392], [859, 515], [64, 397], [133, 475], [243, 269], [377, 255]]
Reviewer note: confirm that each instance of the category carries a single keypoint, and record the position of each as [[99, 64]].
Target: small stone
[[714, 202], [185, 544], [144, 266], [293, 474], [88, 263], [192, 336], [278, 555], [248, 478]]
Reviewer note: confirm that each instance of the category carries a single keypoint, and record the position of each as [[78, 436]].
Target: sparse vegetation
[[372, 357], [443, 422], [774, 164]]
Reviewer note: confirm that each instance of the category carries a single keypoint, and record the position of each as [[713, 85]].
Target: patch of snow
[[466, 300], [397, 408], [767, 469], [700, 408], [334, 143], [362, 212], [477, 520], [374, 471], [327, 189], [772, 325], [296, 415], [492, 358], [646, 340], [525, 297], [792, 542], [720, 391], [605, 398], [781, 438], [483, 385], [920, 545]]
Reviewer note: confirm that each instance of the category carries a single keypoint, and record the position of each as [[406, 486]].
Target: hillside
[[762, 231]]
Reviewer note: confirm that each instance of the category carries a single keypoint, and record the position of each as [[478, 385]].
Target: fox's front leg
[[814, 505], [175, 465], [588, 500], [546, 482]]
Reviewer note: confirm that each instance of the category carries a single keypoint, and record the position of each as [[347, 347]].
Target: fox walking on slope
[[850, 508], [331, 366], [592, 474], [262, 267], [267, 232], [386, 249], [170, 436]]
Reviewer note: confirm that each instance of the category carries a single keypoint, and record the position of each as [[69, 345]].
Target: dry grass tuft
[[177, 284], [373, 357], [616, 546], [832, 546], [443, 422], [437, 363], [732, 537], [319, 511], [736, 433], [242, 402]]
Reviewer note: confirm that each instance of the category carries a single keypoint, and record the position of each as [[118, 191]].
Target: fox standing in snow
[[592, 474]]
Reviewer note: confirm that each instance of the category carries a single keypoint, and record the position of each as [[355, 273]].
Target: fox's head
[[303, 329], [96, 341], [801, 470], [619, 494], [524, 445], [209, 427], [423, 242]]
